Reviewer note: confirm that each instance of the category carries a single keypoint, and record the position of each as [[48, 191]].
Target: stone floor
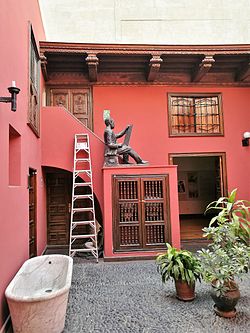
[[129, 297]]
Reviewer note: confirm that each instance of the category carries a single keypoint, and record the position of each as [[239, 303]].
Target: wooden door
[[32, 213], [141, 212], [58, 207], [77, 101]]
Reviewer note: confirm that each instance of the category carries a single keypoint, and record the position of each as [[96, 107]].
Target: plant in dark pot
[[228, 253], [183, 267]]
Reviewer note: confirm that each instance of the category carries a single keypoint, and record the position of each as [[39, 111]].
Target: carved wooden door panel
[[58, 208], [60, 97], [77, 101], [141, 213], [80, 106]]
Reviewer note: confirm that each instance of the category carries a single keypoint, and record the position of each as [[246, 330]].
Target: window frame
[[35, 126], [198, 95]]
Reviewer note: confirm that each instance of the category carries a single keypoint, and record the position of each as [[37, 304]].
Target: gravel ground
[[129, 297]]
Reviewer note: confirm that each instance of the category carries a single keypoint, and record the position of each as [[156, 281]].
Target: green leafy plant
[[179, 265], [232, 210], [228, 253]]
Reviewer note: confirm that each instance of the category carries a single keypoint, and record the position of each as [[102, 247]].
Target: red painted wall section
[[14, 65], [146, 107], [108, 173], [58, 132]]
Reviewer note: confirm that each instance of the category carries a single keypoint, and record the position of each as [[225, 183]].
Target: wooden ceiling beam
[[154, 67], [203, 68], [92, 62], [244, 72]]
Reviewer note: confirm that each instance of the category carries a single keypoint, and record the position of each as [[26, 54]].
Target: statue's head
[[110, 122]]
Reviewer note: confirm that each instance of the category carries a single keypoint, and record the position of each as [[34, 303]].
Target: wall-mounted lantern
[[246, 137], [13, 90]]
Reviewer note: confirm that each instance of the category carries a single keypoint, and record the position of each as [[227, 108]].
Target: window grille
[[195, 115]]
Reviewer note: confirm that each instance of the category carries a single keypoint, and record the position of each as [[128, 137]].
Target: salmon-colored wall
[[146, 108], [108, 173], [58, 132], [14, 200]]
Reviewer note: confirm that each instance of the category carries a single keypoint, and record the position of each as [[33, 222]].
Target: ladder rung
[[86, 149], [83, 184], [87, 171], [83, 250], [82, 236], [83, 223], [82, 159], [85, 209], [83, 196]]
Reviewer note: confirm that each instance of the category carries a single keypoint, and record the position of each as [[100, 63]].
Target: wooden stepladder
[[83, 233]]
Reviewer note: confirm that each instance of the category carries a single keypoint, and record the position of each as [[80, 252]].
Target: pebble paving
[[129, 297]]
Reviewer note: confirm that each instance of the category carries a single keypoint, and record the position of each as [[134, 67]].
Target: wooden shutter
[[154, 211], [127, 233], [140, 218]]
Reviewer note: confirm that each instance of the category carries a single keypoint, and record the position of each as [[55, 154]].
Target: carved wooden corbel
[[44, 62], [92, 62], [154, 67], [202, 69], [244, 72]]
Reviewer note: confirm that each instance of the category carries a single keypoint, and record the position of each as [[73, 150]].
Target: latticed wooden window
[[141, 212], [34, 95], [195, 115]]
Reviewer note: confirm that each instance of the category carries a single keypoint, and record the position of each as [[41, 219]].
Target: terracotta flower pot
[[184, 291], [225, 304]]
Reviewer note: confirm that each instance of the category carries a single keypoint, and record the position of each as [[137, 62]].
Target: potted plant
[[183, 267], [227, 255]]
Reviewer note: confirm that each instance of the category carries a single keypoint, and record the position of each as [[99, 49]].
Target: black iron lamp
[[245, 140], [13, 90]]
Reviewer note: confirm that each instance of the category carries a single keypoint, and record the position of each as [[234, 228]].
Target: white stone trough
[[38, 294]]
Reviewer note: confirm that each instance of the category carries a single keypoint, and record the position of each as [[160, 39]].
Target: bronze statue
[[114, 149]]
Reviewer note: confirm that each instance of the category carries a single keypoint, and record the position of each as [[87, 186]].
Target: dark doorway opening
[[201, 180]]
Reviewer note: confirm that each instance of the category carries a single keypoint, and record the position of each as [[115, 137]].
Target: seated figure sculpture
[[114, 149]]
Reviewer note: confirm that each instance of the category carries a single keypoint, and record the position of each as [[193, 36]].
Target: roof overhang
[[145, 64]]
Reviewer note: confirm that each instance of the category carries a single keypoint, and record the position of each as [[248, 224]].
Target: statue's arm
[[109, 142], [120, 134]]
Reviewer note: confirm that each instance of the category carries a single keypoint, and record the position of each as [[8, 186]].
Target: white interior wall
[[147, 21], [204, 192]]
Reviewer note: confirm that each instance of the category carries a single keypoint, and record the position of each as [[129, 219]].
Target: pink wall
[[14, 226], [146, 108], [58, 131], [108, 172]]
